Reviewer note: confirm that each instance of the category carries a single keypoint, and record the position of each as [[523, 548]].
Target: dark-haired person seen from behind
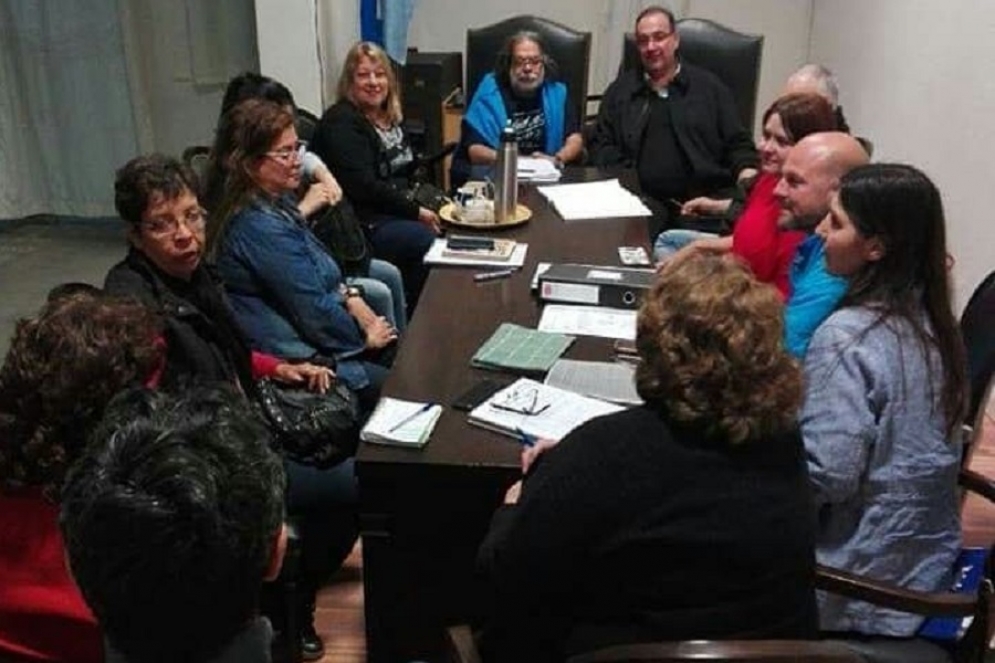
[[172, 519], [361, 139], [62, 369], [689, 517], [521, 92], [886, 395], [675, 123], [164, 269]]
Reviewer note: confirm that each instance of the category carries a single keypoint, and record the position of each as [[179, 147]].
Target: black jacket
[[203, 341], [350, 147], [707, 126]]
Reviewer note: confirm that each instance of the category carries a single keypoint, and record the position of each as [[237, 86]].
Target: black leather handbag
[[428, 196], [311, 428], [339, 229]]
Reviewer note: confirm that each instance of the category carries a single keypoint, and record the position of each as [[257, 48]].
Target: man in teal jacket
[[522, 94]]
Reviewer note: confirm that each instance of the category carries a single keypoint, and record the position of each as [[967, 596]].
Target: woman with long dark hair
[[886, 394]]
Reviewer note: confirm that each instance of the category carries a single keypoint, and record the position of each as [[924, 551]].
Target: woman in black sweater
[[689, 517], [361, 140]]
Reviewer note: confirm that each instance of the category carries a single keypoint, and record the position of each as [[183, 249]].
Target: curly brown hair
[[711, 341], [63, 367]]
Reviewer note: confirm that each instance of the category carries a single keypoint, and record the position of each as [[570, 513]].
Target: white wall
[[915, 77], [289, 48]]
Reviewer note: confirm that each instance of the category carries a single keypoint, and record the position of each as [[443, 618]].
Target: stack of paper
[[594, 200], [538, 410], [437, 255], [402, 423], [521, 350], [609, 381], [537, 169]]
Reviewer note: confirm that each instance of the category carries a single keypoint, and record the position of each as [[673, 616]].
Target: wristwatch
[[353, 291]]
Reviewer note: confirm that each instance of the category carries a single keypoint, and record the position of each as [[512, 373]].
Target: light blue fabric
[[284, 289], [670, 242], [883, 471], [488, 116], [384, 292], [814, 295], [386, 23]]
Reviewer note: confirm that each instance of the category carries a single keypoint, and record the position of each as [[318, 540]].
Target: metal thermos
[[506, 180]]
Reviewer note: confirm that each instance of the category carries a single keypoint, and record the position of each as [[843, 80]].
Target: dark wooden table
[[424, 512]]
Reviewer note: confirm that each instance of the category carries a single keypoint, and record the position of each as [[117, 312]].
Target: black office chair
[[305, 123], [732, 56], [569, 48], [977, 327], [463, 649]]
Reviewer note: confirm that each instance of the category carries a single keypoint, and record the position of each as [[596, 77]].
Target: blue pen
[[411, 417], [525, 438]]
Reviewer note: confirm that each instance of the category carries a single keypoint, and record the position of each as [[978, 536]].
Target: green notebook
[[521, 349]]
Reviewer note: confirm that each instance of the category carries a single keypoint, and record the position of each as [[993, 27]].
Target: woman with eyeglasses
[[287, 292], [689, 517], [361, 140], [156, 196]]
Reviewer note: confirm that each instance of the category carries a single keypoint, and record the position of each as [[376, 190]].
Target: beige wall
[[915, 78]]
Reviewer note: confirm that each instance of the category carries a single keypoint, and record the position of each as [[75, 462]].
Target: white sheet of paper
[[609, 381], [565, 412], [537, 169], [598, 321], [594, 200]]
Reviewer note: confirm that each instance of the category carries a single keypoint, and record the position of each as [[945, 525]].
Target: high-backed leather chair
[[976, 325], [570, 49], [732, 56]]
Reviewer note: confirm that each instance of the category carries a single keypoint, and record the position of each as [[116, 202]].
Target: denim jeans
[[404, 243], [670, 242], [384, 292]]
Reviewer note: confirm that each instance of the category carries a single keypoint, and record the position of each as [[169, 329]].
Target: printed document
[[537, 409], [609, 381], [600, 321]]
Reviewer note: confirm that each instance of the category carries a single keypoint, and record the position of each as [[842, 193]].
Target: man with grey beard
[[521, 93]]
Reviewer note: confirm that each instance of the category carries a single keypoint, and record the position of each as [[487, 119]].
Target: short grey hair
[[821, 78]]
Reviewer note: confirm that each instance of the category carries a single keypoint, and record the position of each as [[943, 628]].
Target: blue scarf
[[488, 116]]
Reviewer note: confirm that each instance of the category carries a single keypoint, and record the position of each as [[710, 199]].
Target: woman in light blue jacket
[[886, 394]]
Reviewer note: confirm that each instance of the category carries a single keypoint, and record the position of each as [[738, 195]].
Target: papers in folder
[[537, 169], [537, 409], [594, 200]]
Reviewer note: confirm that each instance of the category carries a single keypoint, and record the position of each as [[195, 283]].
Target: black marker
[[491, 276]]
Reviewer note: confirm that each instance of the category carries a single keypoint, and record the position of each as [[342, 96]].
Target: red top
[[757, 239], [42, 615]]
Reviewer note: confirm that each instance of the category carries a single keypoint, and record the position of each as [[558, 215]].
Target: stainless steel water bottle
[[506, 178]]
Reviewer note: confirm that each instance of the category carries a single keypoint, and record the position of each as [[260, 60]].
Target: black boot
[[312, 647]]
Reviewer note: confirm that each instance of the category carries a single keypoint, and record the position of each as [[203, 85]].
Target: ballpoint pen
[[525, 438], [411, 417]]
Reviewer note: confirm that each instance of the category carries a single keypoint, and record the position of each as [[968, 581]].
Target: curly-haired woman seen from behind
[[688, 517], [62, 369]]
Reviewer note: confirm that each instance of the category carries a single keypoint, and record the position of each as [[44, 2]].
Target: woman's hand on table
[[317, 378]]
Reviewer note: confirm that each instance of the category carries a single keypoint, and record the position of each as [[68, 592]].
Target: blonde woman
[[361, 139]]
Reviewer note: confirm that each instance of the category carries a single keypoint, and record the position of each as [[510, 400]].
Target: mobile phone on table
[[477, 394]]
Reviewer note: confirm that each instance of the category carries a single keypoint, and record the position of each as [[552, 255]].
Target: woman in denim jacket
[[287, 292], [885, 398]]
